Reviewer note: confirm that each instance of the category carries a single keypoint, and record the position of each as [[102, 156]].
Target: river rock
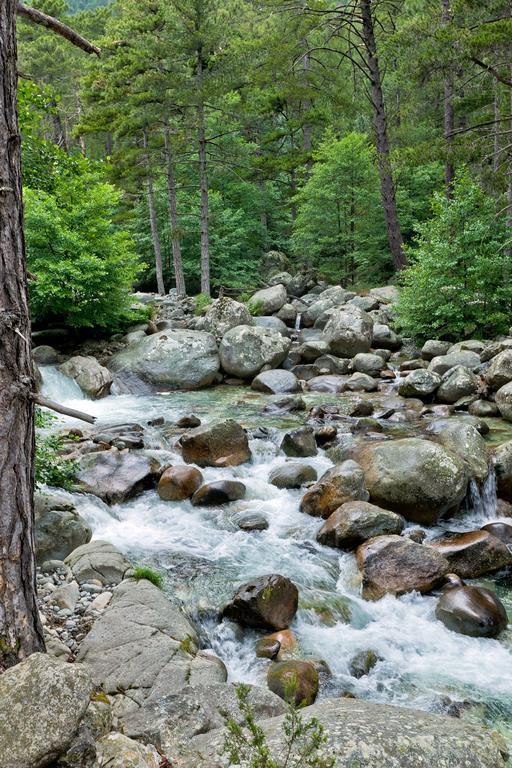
[[445, 363], [419, 383], [276, 382], [245, 349], [328, 383], [464, 440], [349, 331], [328, 299], [116, 476], [395, 564], [386, 294], [171, 359], [414, 477], [292, 475], [357, 521], [294, 681], [434, 348], [92, 378], [217, 493], [360, 382], [333, 364], [179, 482], [472, 611], [59, 529], [269, 300], [223, 314], [363, 663], [502, 461], [272, 323], [384, 337], [340, 484], [223, 444], [98, 560], [288, 314], [483, 409], [367, 362], [42, 701], [144, 644], [45, 355], [268, 602], [300, 443], [499, 372], [504, 401], [456, 383], [473, 553], [118, 751], [250, 520], [371, 735], [502, 531]]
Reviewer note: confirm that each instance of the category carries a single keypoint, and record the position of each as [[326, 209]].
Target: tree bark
[[387, 186], [173, 215], [20, 628], [203, 179], [449, 114], [153, 219]]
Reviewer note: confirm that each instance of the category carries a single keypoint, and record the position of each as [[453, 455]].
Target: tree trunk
[[203, 179], [449, 114], [153, 220], [173, 215], [387, 186], [307, 132], [20, 628]]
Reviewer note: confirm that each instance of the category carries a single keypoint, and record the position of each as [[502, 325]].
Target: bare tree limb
[[53, 406], [38, 17], [492, 70]]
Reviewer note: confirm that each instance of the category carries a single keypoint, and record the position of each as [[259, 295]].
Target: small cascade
[[298, 322], [482, 501], [58, 387]]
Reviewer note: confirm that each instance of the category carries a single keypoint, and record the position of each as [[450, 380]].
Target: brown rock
[[357, 521], [294, 681], [268, 602], [502, 531], [343, 482], [218, 492], [472, 611], [223, 444], [474, 553], [178, 483]]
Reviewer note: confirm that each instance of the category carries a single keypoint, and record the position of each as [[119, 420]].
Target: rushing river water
[[204, 555]]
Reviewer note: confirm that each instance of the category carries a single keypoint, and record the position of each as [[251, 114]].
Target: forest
[[210, 132]]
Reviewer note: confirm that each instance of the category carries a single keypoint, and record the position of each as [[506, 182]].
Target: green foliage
[[51, 468], [84, 263], [202, 302], [340, 225], [458, 281], [255, 308], [145, 572], [245, 742]]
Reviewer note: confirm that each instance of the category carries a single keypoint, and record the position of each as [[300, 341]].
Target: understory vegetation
[[50, 467]]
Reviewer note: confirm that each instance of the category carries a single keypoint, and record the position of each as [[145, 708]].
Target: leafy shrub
[[51, 468], [245, 743], [255, 308], [145, 572], [457, 283], [202, 301]]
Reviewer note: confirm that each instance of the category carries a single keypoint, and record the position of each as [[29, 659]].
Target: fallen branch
[[38, 17], [53, 406]]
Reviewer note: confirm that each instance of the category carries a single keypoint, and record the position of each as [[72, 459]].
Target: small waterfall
[[58, 387], [297, 322], [482, 501]]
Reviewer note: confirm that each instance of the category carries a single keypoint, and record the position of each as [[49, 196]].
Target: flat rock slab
[[362, 734], [143, 645], [98, 560], [42, 701]]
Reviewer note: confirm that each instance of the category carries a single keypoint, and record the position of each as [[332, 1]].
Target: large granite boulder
[[245, 349], [384, 337], [419, 383], [171, 359], [223, 444], [292, 475], [434, 348], [223, 314], [502, 461], [271, 322], [369, 363], [269, 300], [445, 363], [349, 331], [300, 443], [98, 560], [472, 611], [115, 750], [218, 492], [504, 401], [59, 529], [179, 482], [466, 442], [456, 383], [364, 734], [42, 701], [145, 646], [396, 564], [328, 299], [294, 681], [414, 477], [276, 382], [499, 372], [343, 482], [473, 553], [357, 521], [92, 378], [267, 602], [116, 476]]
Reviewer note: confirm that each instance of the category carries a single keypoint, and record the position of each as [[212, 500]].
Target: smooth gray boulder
[[499, 372], [456, 383], [504, 401], [414, 477], [467, 443], [363, 734], [292, 475], [269, 300], [369, 363], [269, 321], [116, 476], [98, 560], [384, 337], [223, 314], [434, 348], [445, 363], [419, 383], [42, 701], [244, 350], [331, 297], [349, 331], [171, 359], [276, 382], [45, 355], [59, 529], [143, 645], [341, 483], [386, 294], [92, 378], [357, 521], [115, 750], [222, 444]]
